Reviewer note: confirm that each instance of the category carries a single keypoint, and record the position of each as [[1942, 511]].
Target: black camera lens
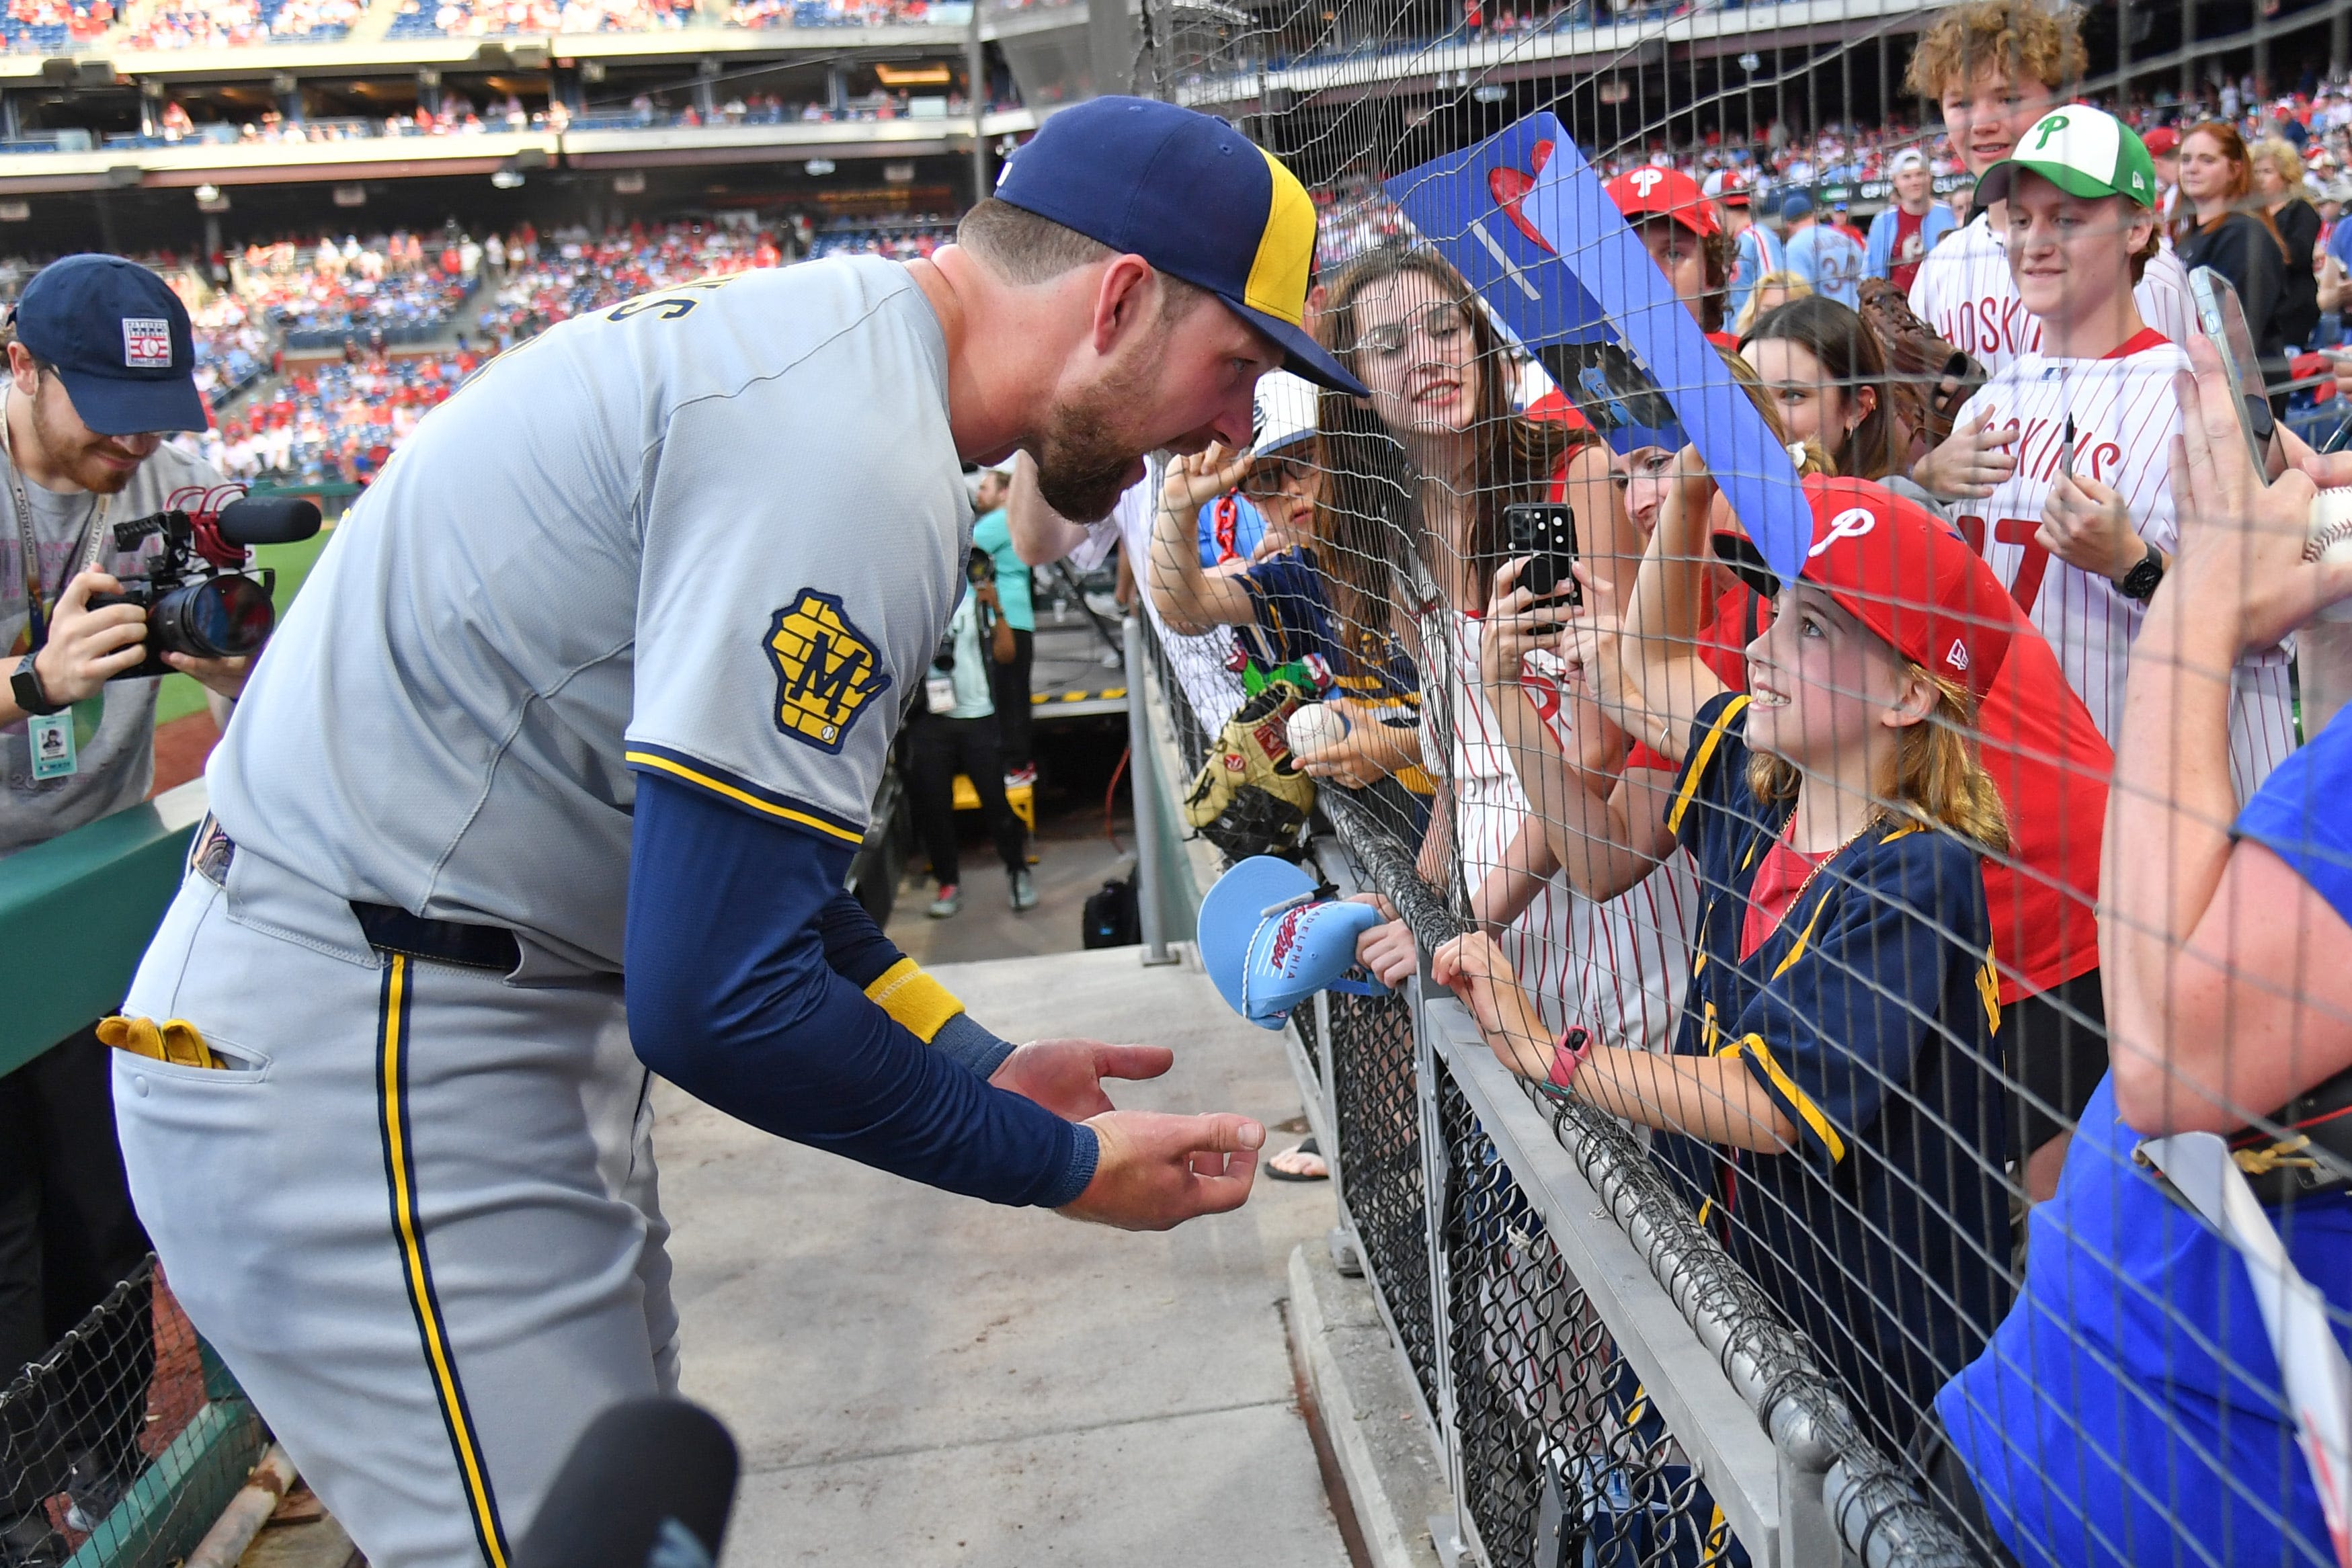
[[222, 617]]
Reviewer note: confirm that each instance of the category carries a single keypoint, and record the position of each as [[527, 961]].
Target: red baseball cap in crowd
[[1666, 194], [2161, 141], [1902, 572]]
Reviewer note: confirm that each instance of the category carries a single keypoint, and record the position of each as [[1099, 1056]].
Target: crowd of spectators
[[480, 19], [45, 26], [232, 351], [338, 423], [395, 288], [227, 23]]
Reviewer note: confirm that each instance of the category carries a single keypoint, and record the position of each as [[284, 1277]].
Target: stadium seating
[[480, 19], [54, 27], [227, 23]]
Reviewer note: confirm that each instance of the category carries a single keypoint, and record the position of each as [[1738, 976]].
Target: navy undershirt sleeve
[[732, 998], [855, 949]]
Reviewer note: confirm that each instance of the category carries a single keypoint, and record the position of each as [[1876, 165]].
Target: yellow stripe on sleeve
[[743, 797], [1805, 936], [915, 999], [1697, 772], [1754, 1046]]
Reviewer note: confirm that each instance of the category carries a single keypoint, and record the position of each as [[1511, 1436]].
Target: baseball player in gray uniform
[[599, 678]]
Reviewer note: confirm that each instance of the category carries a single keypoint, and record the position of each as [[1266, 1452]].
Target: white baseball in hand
[[1316, 725], [2331, 541]]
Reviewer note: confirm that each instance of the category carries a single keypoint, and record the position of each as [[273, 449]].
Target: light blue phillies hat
[[1269, 944]]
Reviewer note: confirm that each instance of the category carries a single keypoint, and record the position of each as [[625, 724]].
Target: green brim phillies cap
[[1193, 197], [121, 342], [2084, 151]]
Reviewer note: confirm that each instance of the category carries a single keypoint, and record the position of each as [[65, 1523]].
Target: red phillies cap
[[1664, 193], [1909, 577], [2161, 141]]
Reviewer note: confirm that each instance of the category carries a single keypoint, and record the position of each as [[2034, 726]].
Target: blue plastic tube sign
[[1523, 217]]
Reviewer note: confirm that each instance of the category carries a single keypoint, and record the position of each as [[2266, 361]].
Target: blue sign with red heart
[[1523, 217]]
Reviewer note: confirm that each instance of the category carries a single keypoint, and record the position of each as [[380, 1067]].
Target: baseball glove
[[1928, 378], [1250, 797]]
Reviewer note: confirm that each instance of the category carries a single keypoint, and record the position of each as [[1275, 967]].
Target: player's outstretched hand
[[1973, 463], [1154, 1171], [1065, 1075]]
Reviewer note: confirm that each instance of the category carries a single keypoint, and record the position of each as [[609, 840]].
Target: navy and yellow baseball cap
[[121, 340], [1193, 197]]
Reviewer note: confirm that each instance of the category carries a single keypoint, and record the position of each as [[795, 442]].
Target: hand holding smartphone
[[1545, 532]]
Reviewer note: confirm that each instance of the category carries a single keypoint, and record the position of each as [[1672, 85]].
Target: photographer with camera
[[953, 729], [100, 362]]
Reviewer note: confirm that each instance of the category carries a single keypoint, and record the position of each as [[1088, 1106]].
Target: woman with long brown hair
[[1827, 372], [1420, 476], [2222, 227]]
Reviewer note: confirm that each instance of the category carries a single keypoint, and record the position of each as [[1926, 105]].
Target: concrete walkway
[[918, 1379]]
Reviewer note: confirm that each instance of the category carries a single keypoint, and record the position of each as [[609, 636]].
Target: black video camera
[[979, 567], [198, 601]]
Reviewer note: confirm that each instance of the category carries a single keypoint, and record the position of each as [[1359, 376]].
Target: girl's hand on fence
[[1193, 481], [1474, 969], [1387, 951]]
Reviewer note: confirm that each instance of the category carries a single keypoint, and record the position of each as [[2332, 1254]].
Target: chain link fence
[[121, 1445]]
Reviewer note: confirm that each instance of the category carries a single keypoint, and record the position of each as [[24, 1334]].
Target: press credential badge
[[52, 736]]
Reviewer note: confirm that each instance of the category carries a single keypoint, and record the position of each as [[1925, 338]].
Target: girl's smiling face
[[1416, 353], [1819, 681], [1812, 406], [1645, 473]]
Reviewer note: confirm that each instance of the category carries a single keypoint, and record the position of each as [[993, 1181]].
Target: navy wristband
[[1086, 1153], [965, 1040]]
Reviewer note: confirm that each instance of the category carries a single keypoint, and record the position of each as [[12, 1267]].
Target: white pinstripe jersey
[[1618, 968], [2124, 415], [1965, 292]]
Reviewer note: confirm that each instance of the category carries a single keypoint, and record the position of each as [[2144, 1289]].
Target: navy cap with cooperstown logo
[[121, 342], [1193, 196]]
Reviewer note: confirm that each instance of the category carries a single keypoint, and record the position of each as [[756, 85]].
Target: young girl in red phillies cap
[[1833, 1074]]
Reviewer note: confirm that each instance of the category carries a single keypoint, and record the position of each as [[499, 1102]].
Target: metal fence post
[[1143, 780]]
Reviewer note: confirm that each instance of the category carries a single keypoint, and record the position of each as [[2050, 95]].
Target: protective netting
[[1564, 1459], [120, 1442], [1915, 828]]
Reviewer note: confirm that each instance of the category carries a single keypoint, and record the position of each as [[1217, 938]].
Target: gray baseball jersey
[[714, 531]]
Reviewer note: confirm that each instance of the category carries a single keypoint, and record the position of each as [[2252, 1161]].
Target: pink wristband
[[1569, 1055]]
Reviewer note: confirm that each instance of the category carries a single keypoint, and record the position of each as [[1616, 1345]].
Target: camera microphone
[[268, 520], [648, 1486]]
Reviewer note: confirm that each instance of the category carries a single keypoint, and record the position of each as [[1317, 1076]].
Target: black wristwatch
[[2140, 582], [25, 687]]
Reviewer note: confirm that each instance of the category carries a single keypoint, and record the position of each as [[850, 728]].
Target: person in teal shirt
[[994, 534]]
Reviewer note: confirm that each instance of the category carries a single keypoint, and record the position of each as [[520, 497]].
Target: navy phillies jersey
[[1869, 1016], [1294, 616]]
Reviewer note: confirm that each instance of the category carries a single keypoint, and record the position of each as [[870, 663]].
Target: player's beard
[[1085, 452]]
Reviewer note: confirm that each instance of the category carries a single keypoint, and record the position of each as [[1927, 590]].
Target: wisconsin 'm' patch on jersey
[[827, 671]]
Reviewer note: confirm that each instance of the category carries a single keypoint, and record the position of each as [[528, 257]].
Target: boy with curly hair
[[1997, 66]]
